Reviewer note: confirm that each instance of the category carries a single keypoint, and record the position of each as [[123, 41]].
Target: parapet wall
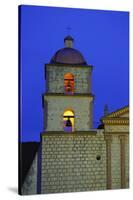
[[73, 162]]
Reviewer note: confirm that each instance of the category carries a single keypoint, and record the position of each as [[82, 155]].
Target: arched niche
[[69, 83], [68, 120]]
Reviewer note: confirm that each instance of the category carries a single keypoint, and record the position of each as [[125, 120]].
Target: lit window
[[69, 83]]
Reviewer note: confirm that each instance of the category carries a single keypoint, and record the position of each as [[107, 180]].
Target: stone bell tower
[[68, 101]]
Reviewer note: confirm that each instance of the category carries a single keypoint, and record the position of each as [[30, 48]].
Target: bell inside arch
[[68, 123]]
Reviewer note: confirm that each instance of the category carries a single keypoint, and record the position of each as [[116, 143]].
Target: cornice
[[69, 65], [116, 121], [61, 133], [68, 96]]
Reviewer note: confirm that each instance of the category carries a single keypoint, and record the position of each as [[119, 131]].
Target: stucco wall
[[69, 162], [115, 162], [81, 106], [55, 78]]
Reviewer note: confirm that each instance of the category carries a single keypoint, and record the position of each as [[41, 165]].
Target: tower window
[[69, 83], [68, 120]]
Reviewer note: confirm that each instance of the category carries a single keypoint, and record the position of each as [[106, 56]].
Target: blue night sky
[[101, 36]]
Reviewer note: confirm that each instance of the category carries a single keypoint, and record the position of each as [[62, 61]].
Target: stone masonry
[[79, 162], [84, 159], [73, 162], [55, 78]]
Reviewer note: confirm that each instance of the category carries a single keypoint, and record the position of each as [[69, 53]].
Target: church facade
[[73, 156]]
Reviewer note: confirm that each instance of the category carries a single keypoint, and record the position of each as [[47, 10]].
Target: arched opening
[[68, 120], [69, 83]]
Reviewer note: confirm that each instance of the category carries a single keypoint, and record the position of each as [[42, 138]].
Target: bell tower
[[68, 101]]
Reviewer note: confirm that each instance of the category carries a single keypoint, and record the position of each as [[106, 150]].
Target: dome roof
[[68, 55]]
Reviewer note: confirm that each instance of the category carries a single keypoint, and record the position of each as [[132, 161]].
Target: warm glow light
[[69, 83], [68, 113], [68, 76], [71, 114]]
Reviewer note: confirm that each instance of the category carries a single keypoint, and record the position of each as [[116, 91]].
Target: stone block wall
[[55, 78], [70, 162], [73, 162]]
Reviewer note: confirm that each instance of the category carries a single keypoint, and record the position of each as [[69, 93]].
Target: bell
[[68, 122]]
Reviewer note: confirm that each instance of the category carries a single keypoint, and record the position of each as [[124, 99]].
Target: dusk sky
[[101, 36]]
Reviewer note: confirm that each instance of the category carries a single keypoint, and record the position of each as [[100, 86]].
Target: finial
[[68, 40], [106, 110]]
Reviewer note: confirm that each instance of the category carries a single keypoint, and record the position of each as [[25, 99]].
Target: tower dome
[[68, 55]]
